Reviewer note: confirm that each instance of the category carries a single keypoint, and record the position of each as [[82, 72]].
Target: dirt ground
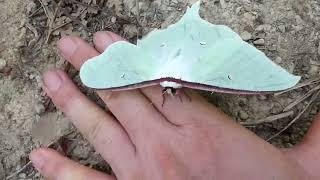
[[286, 30]]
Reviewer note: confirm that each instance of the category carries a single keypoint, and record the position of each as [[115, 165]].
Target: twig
[[75, 20], [45, 9], [299, 100], [138, 17], [85, 5], [300, 85], [19, 171], [2, 49], [313, 98], [268, 119], [35, 12], [52, 21], [33, 30], [28, 163], [61, 25]]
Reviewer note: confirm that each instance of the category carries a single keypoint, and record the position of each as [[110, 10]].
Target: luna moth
[[192, 53]]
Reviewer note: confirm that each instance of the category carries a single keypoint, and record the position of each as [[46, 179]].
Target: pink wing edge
[[191, 85]]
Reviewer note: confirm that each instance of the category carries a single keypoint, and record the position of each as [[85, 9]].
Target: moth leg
[[181, 92], [187, 95], [177, 93], [164, 93], [174, 93]]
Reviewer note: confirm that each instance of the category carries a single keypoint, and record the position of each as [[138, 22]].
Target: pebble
[[243, 115], [242, 102], [246, 36], [113, 19], [3, 64], [286, 138], [282, 28], [262, 97], [314, 70], [131, 31], [264, 27], [259, 42], [22, 175], [260, 28], [37, 175], [39, 108], [238, 10], [278, 60], [319, 49]]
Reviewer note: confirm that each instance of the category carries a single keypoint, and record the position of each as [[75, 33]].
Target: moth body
[[170, 84], [170, 91]]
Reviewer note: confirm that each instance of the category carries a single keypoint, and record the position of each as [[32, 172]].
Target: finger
[[312, 138], [102, 130], [307, 153], [130, 104], [103, 39], [75, 50], [54, 166]]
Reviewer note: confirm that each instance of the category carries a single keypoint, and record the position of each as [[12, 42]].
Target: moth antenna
[[183, 92], [164, 92], [180, 98]]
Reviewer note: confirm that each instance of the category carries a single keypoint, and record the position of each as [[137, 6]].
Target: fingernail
[[38, 159], [52, 81], [67, 47]]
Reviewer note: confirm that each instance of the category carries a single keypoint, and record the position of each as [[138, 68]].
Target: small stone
[[242, 102], [131, 31], [223, 3], [248, 17], [267, 27], [3, 64], [262, 97], [278, 60], [113, 19], [259, 42], [286, 138], [243, 115], [238, 10], [6, 70], [39, 108], [260, 28], [22, 175], [314, 70], [319, 49], [282, 28], [31, 76], [264, 27], [37, 175], [246, 36]]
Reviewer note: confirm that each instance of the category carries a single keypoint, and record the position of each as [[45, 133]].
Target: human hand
[[179, 141]]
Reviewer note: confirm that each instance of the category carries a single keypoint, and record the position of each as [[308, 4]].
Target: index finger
[[77, 51]]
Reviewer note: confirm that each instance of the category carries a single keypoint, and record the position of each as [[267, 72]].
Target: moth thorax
[[170, 84]]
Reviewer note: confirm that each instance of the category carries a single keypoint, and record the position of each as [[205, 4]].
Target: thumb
[[54, 166], [307, 153]]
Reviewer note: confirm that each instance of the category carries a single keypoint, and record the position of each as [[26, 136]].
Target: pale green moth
[[191, 53]]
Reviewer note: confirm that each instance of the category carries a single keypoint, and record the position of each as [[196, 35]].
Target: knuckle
[[95, 130], [108, 95], [64, 97]]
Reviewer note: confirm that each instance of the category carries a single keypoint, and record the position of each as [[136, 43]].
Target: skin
[[141, 140]]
